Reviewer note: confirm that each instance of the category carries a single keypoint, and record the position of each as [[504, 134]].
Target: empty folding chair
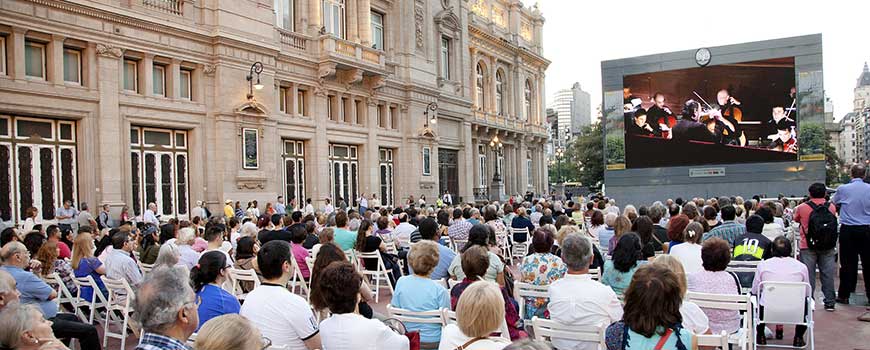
[[380, 275], [237, 276], [782, 306], [546, 330], [118, 309]]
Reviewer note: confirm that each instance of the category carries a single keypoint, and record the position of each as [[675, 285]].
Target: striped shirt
[[119, 265], [154, 341], [730, 231]]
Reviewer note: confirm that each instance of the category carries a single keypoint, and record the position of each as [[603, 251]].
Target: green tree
[[583, 160], [833, 164]]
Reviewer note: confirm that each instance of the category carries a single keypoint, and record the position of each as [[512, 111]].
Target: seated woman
[[652, 318], [48, 256], [626, 259], [367, 242], [601, 228], [298, 234], [694, 319], [419, 293], [540, 268], [479, 236], [246, 259], [689, 252], [327, 235], [206, 277], [643, 226], [676, 226], [521, 220], [715, 255], [167, 256], [479, 313], [475, 263], [25, 328], [327, 254], [84, 263], [621, 226], [598, 259], [230, 332], [149, 248], [346, 329]]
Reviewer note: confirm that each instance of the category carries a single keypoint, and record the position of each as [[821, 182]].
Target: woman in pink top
[[298, 235], [715, 256]]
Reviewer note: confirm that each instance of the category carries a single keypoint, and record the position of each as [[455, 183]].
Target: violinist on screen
[[731, 116], [659, 114], [784, 140], [639, 125]]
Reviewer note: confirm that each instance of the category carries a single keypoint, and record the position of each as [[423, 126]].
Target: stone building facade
[[136, 101]]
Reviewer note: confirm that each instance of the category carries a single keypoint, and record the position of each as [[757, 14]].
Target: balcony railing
[[493, 120], [351, 54], [293, 40], [175, 7]]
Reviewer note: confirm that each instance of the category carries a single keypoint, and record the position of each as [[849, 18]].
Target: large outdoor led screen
[[724, 114]]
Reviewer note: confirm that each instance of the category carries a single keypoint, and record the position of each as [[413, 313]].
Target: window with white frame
[[283, 92], [285, 14], [159, 80], [386, 175], [427, 161], [34, 59], [528, 171], [294, 171], [481, 166], [480, 87], [185, 79], [159, 168], [2, 55], [445, 58], [499, 92], [302, 102], [527, 100], [344, 172], [333, 17], [131, 75], [72, 66], [377, 30]]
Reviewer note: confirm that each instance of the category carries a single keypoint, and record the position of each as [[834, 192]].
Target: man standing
[[85, 218], [104, 220], [66, 216], [447, 198], [853, 199], [150, 215], [280, 208], [824, 259], [363, 204], [166, 307], [197, 210]]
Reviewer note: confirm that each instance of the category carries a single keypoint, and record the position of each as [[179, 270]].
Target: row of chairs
[[441, 316]]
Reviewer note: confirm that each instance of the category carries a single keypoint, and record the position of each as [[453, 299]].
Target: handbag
[[413, 340], [468, 343]]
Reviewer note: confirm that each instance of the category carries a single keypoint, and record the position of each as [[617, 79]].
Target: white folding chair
[[595, 273], [452, 282], [713, 340], [299, 280], [64, 296], [743, 267], [239, 275], [350, 254], [419, 317], [309, 260], [786, 297], [120, 297], [442, 282], [546, 330], [744, 338], [146, 268], [449, 316], [519, 249], [377, 276], [524, 290], [504, 243], [97, 300]]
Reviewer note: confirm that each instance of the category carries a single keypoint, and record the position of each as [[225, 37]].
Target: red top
[[64, 251], [802, 216]]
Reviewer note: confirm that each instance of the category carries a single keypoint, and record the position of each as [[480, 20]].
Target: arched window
[[479, 85], [499, 92], [527, 100]]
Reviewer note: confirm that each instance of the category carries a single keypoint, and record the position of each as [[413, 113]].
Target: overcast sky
[[578, 35]]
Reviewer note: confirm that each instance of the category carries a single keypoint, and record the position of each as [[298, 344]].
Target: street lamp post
[[431, 120], [256, 69], [497, 187], [559, 153]]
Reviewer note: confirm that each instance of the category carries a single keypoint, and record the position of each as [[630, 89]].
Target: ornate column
[[54, 60], [17, 69], [110, 183], [315, 22], [364, 7], [351, 21]]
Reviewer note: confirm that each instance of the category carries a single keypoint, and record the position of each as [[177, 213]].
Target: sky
[[579, 34]]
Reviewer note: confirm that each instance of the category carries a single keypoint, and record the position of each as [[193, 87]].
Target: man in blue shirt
[[280, 208], [429, 231], [853, 201]]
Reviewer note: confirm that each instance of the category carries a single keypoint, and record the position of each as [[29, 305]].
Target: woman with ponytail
[[206, 278], [689, 253]]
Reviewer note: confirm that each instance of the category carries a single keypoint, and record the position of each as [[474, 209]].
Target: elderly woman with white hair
[[167, 256], [187, 255], [24, 327]]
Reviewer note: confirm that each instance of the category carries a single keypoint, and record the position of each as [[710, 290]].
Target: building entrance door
[[448, 172]]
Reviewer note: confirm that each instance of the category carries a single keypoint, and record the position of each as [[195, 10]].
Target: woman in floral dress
[[540, 268]]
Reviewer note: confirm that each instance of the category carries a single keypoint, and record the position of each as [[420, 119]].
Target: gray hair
[[474, 211], [83, 206], [576, 252], [610, 219], [167, 256], [7, 283], [165, 291], [186, 236], [724, 202], [353, 225], [15, 319], [249, 229]]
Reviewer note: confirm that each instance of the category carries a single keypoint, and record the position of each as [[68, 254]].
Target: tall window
[[343, 172], [159, 167], [479, 86], [499, 92], [34, 59], [333, 17], [445, 58], [301, 102], [3, 55], [377, 30], [185, 80], [527, 100], [72, 66], [481, 166], [159, 80], [131, 75], [37, 166], [284, 13], [427, 161], [386, 175], [528, 171], [294, 171]]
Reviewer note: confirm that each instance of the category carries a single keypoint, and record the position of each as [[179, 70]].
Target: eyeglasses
[[266, 343]]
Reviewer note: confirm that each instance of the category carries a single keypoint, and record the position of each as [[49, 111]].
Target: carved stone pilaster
[[109, 51], [209, 69]]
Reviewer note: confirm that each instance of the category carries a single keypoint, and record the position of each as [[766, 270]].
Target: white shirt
[[149, 218], [283, 317], [690, 255], [403, 234], [363, 202], [328, 209], [309, 209], [29, 223], [352, 331], [452, 338], [197, 211], [596, 304], [694, 319]]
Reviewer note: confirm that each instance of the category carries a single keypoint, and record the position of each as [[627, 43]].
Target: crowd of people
[[629, 269]]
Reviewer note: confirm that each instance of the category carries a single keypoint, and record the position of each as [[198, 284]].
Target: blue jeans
[[827, 264]]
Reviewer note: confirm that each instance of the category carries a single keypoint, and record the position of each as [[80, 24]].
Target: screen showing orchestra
[[732, 113]]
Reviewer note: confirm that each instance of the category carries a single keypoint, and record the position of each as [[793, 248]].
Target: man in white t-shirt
[[596, 304], [283, 317], [403, 231]]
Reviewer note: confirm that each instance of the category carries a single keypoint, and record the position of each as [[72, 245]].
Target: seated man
[[120, 266], [729, 230], [283, 317], [166, 307], [16, 284], [751, 246], [780, 268], [596, 304]]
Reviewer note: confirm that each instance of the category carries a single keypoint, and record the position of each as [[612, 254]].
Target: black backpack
[[822, 230]]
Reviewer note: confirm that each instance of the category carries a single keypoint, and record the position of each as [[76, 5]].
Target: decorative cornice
[[209, 69], [109, 51]]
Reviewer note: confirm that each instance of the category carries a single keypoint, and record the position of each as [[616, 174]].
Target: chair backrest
[[88, 281], [782, 300], [735, 302], [713, 340], [239, 275], [120, 293], [63, 293], [547, 329], [431, 316], [146, 268], [369, 255], [520, 231], [595, 273], [449, 316], [522, 289]]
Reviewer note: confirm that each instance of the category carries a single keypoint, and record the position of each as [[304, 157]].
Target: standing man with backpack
[[818, 222], [853, 200]]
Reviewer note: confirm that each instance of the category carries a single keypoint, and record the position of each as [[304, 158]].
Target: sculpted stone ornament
[[109, 51], [209, 69]]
